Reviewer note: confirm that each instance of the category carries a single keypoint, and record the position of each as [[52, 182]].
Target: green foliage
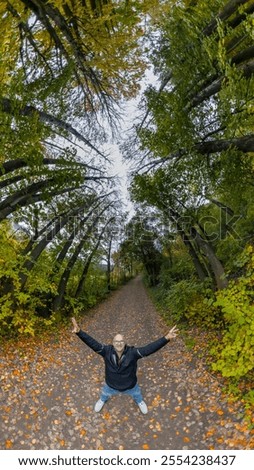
[[181, 297], [95, 289], [27, 310], [177, 265], [142, 245], [235, 353], [19, 308]]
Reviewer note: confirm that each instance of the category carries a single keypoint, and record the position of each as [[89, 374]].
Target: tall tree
[[196, 135]]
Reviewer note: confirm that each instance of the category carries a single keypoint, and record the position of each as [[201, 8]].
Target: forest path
[[48, 392]]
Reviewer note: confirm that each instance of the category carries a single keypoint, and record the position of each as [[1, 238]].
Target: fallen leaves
[[8, 444], [50, 390], [145, 446]]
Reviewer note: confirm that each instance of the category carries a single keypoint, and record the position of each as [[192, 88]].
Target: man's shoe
[[143, 408], [99, 405]]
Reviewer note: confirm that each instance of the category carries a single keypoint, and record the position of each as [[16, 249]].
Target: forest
[[67, 70]]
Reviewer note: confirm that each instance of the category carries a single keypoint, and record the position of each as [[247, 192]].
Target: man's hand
[[76, 328], [172, 333]]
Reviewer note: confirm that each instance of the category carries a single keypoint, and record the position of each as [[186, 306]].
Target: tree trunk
[[247, 70], [12, 165], [215, 263], [10, 107], [237, 19], [244, 144], [222, 206], [109, 265], [88, 262], [49, 236], [223, 15], [201, 272], [198, 266], [59, 299]]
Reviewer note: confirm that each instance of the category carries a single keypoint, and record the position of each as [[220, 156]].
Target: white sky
[[121, 167]]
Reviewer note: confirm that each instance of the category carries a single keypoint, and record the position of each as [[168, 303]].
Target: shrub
[[235, 354]]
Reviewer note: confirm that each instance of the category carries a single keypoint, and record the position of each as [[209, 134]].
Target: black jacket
[[121, 374]]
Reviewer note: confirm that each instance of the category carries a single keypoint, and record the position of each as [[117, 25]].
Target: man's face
[[119, 343]]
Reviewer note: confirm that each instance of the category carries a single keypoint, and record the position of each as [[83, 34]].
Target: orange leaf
[[186, 439], [8, 444], [145, 446], [210, 433], [68, 413]]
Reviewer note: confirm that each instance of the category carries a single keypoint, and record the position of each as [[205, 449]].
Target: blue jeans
[[108, 392]]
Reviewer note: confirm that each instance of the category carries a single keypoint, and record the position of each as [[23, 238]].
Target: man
[[121, 365]]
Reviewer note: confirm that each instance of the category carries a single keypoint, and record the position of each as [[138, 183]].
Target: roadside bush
[[235, 353]]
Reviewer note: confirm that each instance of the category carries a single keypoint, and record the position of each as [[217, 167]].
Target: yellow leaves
[[156, 401], [145, 446], [155, 425], [106, 416], [220, 440], [7, 409], [34, 412], [202, 409], [8, 444], [158, 426], [211, 432]]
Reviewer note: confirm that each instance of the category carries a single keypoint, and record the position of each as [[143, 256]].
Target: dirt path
[[47, 398]]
